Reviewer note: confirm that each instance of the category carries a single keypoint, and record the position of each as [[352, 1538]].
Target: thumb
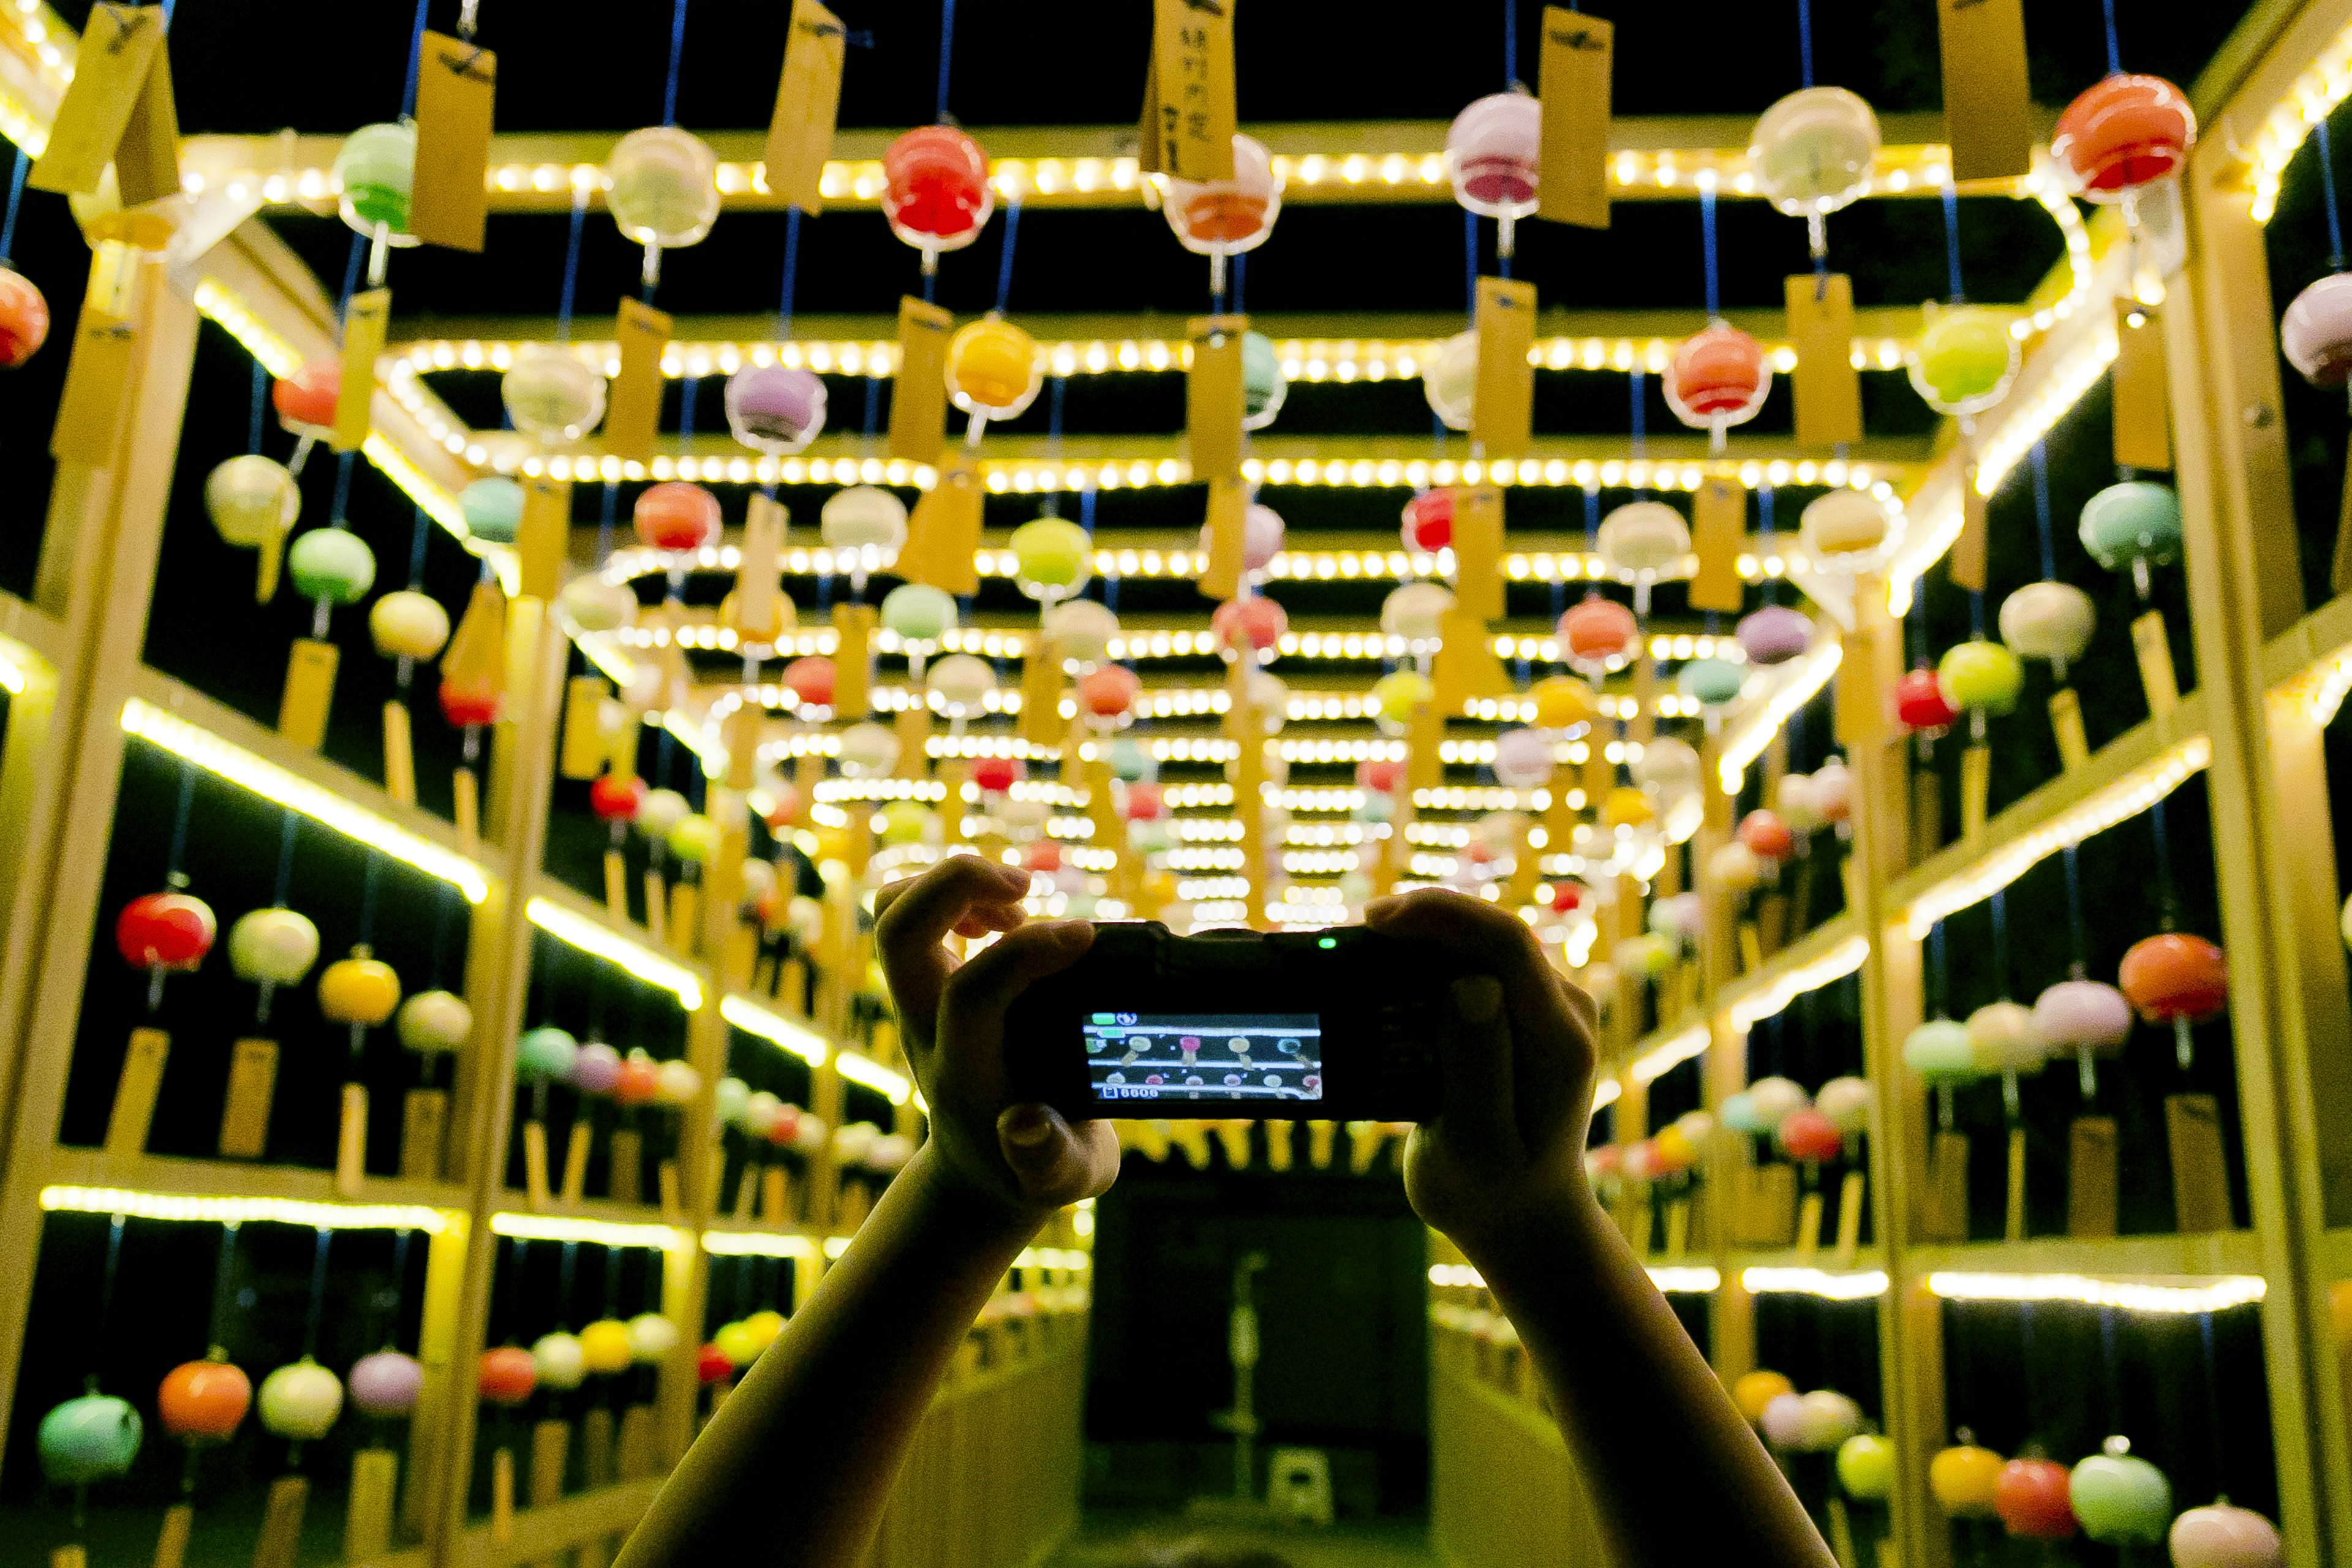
[[1054, 1161]]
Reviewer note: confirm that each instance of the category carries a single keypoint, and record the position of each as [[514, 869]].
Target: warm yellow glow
[[1686, 1279], [594, 1232], [1836, 964], [1652, 1065], [2312, 96], [14, 676], [1805, 676], [1070, 1259], [249, 1210], [1608, 1092], [756, 1244], [2120, 801], [217, 302], [2208, 1295], [589, 937], [2320, 689], [873, 1075], [329, 810], [438, 503], [1858, 1287], [753, 1019], [834, 1246]]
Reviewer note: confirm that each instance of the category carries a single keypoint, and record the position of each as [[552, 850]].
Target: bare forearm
[[1676, 1475], [815, 1433]]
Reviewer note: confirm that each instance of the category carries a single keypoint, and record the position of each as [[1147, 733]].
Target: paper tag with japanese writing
[[2143, 409], [918, 395], [1478, 550], [808, 102], [1719, 533], [1572, 184], [542, 536], [2155, 675], [1827, 387], [632, 414], [119, 45], [1987, 112], [1220, 569], [1188, 97], [1966, 561], [853, 660], [147, 160], [944, 532], [1041, 692], [365, 317], [1503, 411], [756, 584], [1213, 396], [457, 97]]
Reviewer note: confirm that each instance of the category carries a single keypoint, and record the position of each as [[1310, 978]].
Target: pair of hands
[[1519, 1060]]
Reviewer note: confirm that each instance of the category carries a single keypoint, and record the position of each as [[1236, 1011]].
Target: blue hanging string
[[605, 520], [2115, 52], [1938, 967], [1004, 260], [1470, 263], [1592, 517], [873, 402], [1805, 42], [260, 402], [2074, 906], [16, 199], [168, 5], [318, 1292], [676, 52], [180, 823], [2042, 512], [2000, 902], [342, 485], [791, 268], [416, 59], [571, 265], [367, 897], [417, 548], [222, 1277], [1706, 241], [1766, 498], [1086, 511], [285, 859], [351, 274], [1976, 613], [2168, 916], [1952, 240], [1510, 43], [2326, 195], [1236, 272], [1638, 388], [947, 54], [106, 1286], [689, 390]]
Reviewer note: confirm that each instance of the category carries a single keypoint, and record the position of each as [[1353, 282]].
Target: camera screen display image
[[1204, 1056]]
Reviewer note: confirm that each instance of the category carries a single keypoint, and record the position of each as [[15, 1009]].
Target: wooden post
[[59, 785]]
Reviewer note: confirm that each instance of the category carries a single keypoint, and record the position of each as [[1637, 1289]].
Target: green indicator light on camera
[[1106, 1018], [1328, 941]]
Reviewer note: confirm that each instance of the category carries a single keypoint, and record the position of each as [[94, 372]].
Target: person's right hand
[[1023, 1158], [1519, 1068]]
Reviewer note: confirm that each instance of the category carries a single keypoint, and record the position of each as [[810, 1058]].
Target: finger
[[987, 984], [1552, 1023], [912, 917], [1477, 1103], [1057, 1162]]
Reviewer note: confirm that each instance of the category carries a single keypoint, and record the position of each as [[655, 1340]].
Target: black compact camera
[[1337, 1024]]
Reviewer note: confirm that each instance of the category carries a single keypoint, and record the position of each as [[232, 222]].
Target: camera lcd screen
[[1204, 1056]]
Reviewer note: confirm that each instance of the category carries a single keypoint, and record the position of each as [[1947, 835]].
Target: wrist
[[1546, 1223], [951, 1194]]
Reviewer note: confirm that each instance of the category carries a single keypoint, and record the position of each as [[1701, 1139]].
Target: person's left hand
[[1024, 1156]]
